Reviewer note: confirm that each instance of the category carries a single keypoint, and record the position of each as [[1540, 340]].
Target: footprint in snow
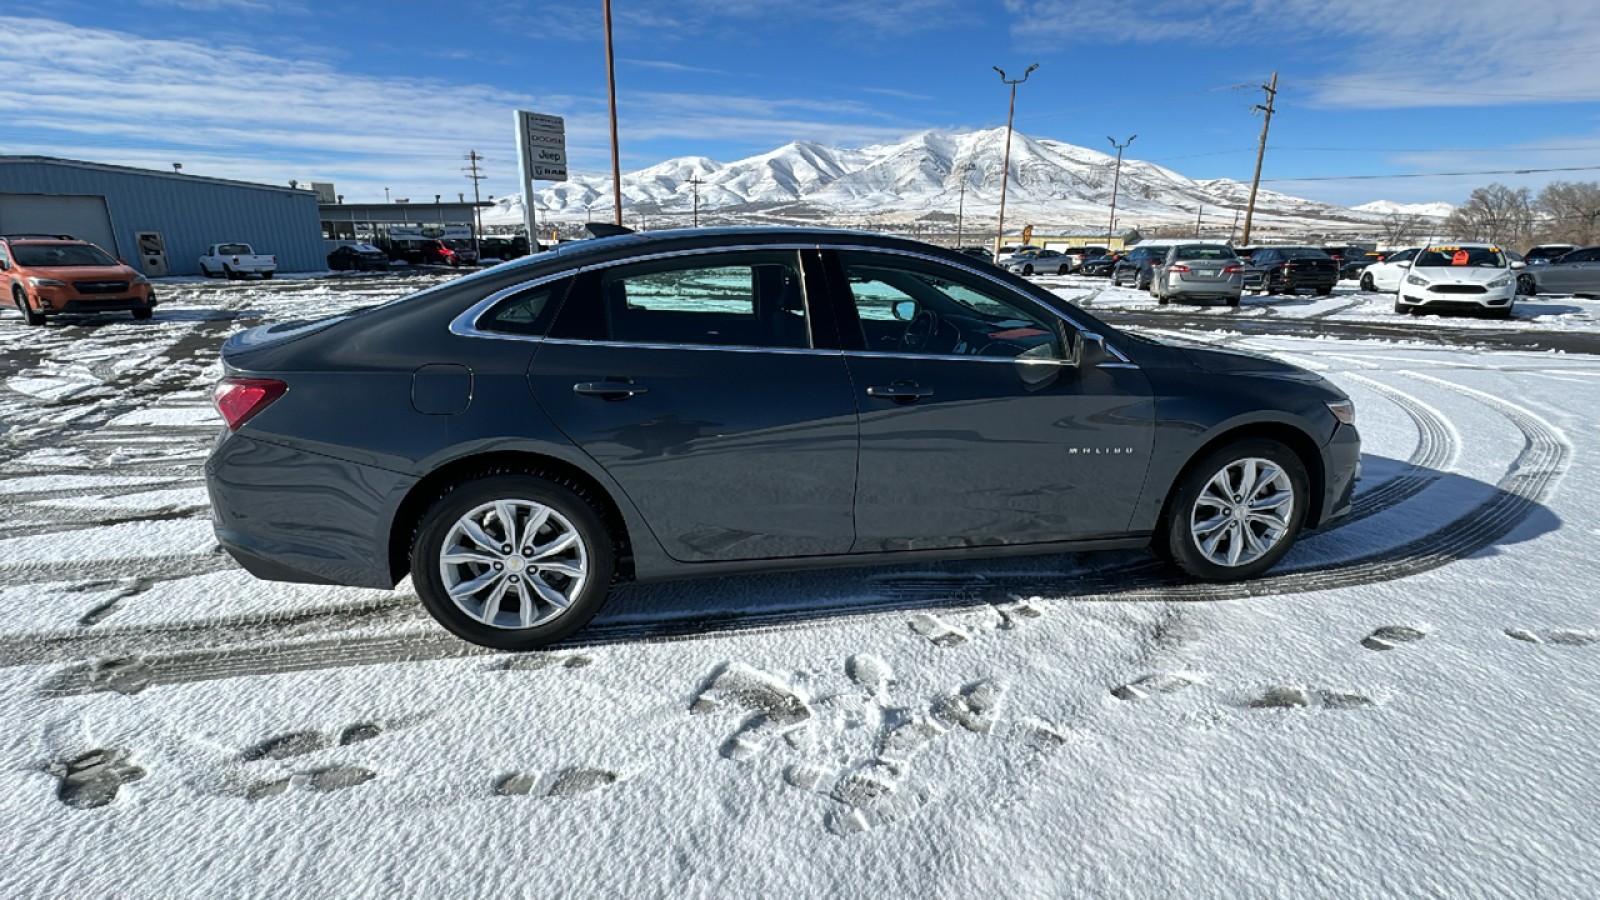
[[92, 780], [937, 631], [1159, 683], [1391, 636], [1562, 636], [319, 781], [1296, 697], [565, 783], [300, 743]]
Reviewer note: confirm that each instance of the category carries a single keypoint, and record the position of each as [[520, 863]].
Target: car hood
[[83, 273], [1463, 275], [1215, 361]]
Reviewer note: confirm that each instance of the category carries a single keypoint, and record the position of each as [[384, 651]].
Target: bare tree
[[1569, 211], [1402, 228], [1495, 213]]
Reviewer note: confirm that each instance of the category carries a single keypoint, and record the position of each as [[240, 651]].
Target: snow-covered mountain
[[927, 179], [1385, 208]]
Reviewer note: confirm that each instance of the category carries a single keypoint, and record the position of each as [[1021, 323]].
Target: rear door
[[695, 382], [975, 430]]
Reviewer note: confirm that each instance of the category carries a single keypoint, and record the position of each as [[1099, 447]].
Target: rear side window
[[528, 311], [743, 299]]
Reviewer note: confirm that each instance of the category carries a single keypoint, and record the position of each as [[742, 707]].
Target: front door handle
[[610, 389], [900, 392]]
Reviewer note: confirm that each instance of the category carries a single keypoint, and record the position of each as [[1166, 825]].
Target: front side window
[[747, 299], [905, 307]]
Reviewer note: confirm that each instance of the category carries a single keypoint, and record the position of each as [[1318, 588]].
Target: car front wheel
[[1237, 512], [28, 315], [512, 561]]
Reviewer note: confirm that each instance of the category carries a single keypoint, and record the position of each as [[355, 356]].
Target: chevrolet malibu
[[643, 407]]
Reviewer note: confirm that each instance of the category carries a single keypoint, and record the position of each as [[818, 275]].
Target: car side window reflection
[[748, 302], [905, 308], [526, 312]]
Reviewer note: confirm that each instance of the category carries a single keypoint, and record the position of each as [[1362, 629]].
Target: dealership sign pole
[[542, 151]]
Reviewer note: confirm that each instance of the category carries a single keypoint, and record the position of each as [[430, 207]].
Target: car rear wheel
[[512, 561], [1027, 270], [1367, 283], [143, 313], [1237, 512], [1063, 270]]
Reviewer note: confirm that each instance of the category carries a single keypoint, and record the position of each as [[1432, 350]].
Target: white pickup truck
[[236, 261]]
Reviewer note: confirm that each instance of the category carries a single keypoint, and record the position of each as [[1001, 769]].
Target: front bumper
[[1341, 461]]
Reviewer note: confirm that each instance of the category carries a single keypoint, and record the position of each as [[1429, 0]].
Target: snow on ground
[[1405, 707]]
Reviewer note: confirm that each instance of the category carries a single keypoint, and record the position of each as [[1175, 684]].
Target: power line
[[1439, 174]]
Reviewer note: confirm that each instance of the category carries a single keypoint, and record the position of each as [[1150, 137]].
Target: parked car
[[519, 439], [502, 248], [51, 275], [1099, 266], [1540, 254], [1008, 255], [977, 253], [1080, 255], [1576, 272], [1198, 272], [358, 257], [1385, 274], [1356, 263], [1289, 270], [454, 252], [236, 260], [1040, 262], [1459, 278], [1136, 266]]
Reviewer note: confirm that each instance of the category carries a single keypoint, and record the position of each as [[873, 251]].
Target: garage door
[[82, 216]]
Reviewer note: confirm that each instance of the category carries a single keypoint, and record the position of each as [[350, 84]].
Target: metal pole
[[695, 182], [1116, 180], [1261, 152], [961, 203], [1005, 165], [611, 89]]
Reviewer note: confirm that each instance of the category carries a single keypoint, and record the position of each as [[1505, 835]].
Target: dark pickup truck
[[1288, 270]]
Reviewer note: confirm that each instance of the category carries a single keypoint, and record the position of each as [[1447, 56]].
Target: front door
[[975, 428], [694, 382]]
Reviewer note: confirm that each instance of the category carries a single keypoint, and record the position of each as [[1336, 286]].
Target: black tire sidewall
[[1181, 549], [437, 522]]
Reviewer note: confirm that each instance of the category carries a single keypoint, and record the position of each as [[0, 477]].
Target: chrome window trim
[[466, 324], [733, 348]]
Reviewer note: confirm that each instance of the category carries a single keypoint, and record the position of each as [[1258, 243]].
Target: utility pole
[[611, 90], [695, 183], [1197, 214], [477, 212], [961, 202], [1261, 152], [1005, 164], [1116, 179]]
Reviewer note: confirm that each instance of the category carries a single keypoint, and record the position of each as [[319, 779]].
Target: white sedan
[[1459, 278], [1386, 274]]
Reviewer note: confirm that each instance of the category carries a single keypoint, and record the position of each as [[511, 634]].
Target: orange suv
[[47, 275]]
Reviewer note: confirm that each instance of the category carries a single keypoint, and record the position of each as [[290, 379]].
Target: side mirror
[[1404, 264], [1518, 264], [1089, 350], [905, 310]]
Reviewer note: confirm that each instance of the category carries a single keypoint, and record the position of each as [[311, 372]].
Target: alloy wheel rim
[[1243, 512], [513, 564]]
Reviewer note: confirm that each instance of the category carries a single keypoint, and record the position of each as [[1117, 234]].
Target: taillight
[[1286, 267], [1178, 267], [239, 399], [274, 259], [1232, 269]]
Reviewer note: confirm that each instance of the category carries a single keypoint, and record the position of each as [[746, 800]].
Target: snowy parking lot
[[1405, 706]]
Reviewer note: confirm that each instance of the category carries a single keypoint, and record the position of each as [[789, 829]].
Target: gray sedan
[[1199, 272], [1577, 272]]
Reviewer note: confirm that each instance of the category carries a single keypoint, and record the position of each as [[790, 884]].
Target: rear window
[[230, 249], [1204, 251], [1300, 253]]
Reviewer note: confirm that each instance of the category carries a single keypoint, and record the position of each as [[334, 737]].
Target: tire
[[1403, 309], [266, 276], [1026, 270], [1367, 284], [1116, 278], [143, 313], [1324, 292], [1233, 302], [1527, 285], [28, 315], [485, 616], [228, 273], [1199, 511], [1061, 271]]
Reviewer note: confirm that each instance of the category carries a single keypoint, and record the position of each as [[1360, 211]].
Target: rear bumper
[[290, 515]]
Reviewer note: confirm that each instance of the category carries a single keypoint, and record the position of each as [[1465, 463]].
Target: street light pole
[[1005, 164], [1116, 180], [611, 90], [695, 182]]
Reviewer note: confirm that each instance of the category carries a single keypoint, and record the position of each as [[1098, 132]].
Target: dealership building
[[160, 222]]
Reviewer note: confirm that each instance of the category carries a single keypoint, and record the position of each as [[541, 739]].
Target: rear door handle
[[900, 392], [618, 389]]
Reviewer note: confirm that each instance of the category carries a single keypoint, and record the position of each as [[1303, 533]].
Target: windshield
[[60, 255], [1301, 253], [1204, 251], [1452, 256]]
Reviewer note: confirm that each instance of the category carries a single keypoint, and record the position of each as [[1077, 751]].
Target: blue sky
[[394, 95]]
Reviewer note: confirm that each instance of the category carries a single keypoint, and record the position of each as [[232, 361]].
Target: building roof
[[150, 173]]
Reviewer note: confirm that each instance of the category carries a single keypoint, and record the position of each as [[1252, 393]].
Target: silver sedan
[[1577, 272], [1198, 272]]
